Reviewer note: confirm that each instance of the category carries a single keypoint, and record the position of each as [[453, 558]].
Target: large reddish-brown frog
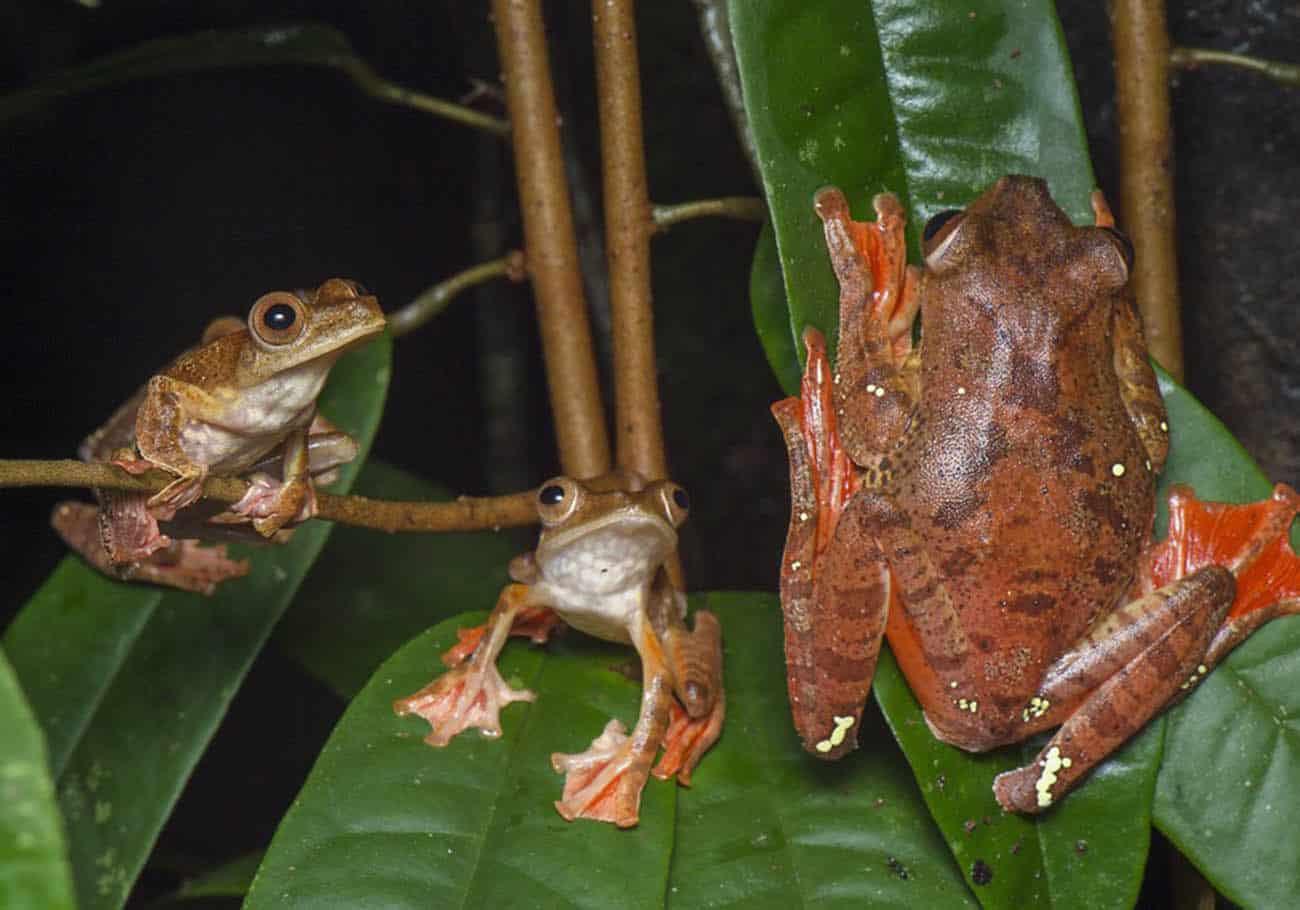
[[986, 498]]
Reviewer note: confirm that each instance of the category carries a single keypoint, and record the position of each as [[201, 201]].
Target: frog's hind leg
[[695, 658], [1130, 672], [605, 782], [1238, 548]]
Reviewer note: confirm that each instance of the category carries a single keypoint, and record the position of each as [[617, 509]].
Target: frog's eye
[[676, 503], [938, 231], [1123, 244], [557, 499], [277, 318]]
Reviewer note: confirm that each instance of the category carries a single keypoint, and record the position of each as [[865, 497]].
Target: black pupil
[[279, 317], [935, 224], [683, 501], [551, 495]]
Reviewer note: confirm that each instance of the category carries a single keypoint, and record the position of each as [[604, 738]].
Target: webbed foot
[[462, 698], [605, 782]]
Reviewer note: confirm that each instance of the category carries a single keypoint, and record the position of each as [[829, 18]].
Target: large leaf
[[1089, 850], [934, 102], [384, 820], [366, 597], [34, 869], [129, 683], [1226, 794]]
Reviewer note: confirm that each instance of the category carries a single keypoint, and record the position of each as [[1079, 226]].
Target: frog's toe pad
[[1023, 791], [605, 782], [460, 699], [687, 740], [196, 568]]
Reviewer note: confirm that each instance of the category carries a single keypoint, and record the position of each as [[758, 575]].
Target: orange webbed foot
[[462, 698], [605, 782], [1251, 540], [687, 740]]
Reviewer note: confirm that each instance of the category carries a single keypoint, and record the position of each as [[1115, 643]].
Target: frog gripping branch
[[937, 492]]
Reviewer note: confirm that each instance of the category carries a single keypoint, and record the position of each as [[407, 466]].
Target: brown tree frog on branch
[[598, 566], [985, 498], [241, 403]]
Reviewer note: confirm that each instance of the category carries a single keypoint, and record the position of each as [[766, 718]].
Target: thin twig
[[464, 514], [1146, 170], [548, 234], [434, 300], [377, 87], [741, 208], [1192, 57]]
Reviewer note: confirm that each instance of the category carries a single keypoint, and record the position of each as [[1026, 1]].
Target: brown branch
[[378, 87], [639, 430], [1193, 57], [435, 299], [464, 514], [514, 265], [548, 235], [1146, 179], [741, 208]]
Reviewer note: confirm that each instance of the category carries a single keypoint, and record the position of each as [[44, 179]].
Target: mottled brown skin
[[1000, 492], [239, 403], [598, 566]]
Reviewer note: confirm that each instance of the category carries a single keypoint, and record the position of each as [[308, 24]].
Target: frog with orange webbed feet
[[986, 498], [598, 566]]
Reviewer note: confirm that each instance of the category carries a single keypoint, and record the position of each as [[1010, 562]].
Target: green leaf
[[934, 102], [231, 879], [303, 45], [930, 101], [130, 682], [1227, 788], [473, 824], [767, 299], [371, 593], [34, 869]]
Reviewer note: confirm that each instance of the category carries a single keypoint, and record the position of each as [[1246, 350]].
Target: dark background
[[134, 214]]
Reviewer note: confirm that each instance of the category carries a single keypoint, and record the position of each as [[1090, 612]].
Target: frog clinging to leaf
[[985, 497]]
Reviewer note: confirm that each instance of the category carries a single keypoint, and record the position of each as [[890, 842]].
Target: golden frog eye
[[277, 318], [677, 505], [557, 499]]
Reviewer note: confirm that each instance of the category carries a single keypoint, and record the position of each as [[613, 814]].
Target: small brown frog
[[599, 566], [241, 403]]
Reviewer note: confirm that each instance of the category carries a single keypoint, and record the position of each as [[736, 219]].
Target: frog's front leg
[[273, 505], [605, 782], [160, 425], [472, 694], [1130, 667]]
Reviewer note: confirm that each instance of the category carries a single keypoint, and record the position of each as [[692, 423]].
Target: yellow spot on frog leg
[[842, 725], [803, 516], [953, 684], [961, 390], [796, 565], [1117, 469], [1052, 762], [880, 392], [1164, 427], [871, 387]]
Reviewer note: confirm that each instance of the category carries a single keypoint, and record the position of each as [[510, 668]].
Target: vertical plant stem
[[629, 222], [548, 234], [1146, 166], [638, 431]]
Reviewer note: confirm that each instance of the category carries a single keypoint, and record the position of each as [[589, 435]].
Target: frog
[[241, 403], [600, 567], [984, 497]]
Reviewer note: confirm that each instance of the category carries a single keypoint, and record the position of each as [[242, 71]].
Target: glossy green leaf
[[371, 593], [1227, 790], [130, 683], [473, 824], [231, 879], [932, 101], [34, 869], [767, 299], [303, 45]]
